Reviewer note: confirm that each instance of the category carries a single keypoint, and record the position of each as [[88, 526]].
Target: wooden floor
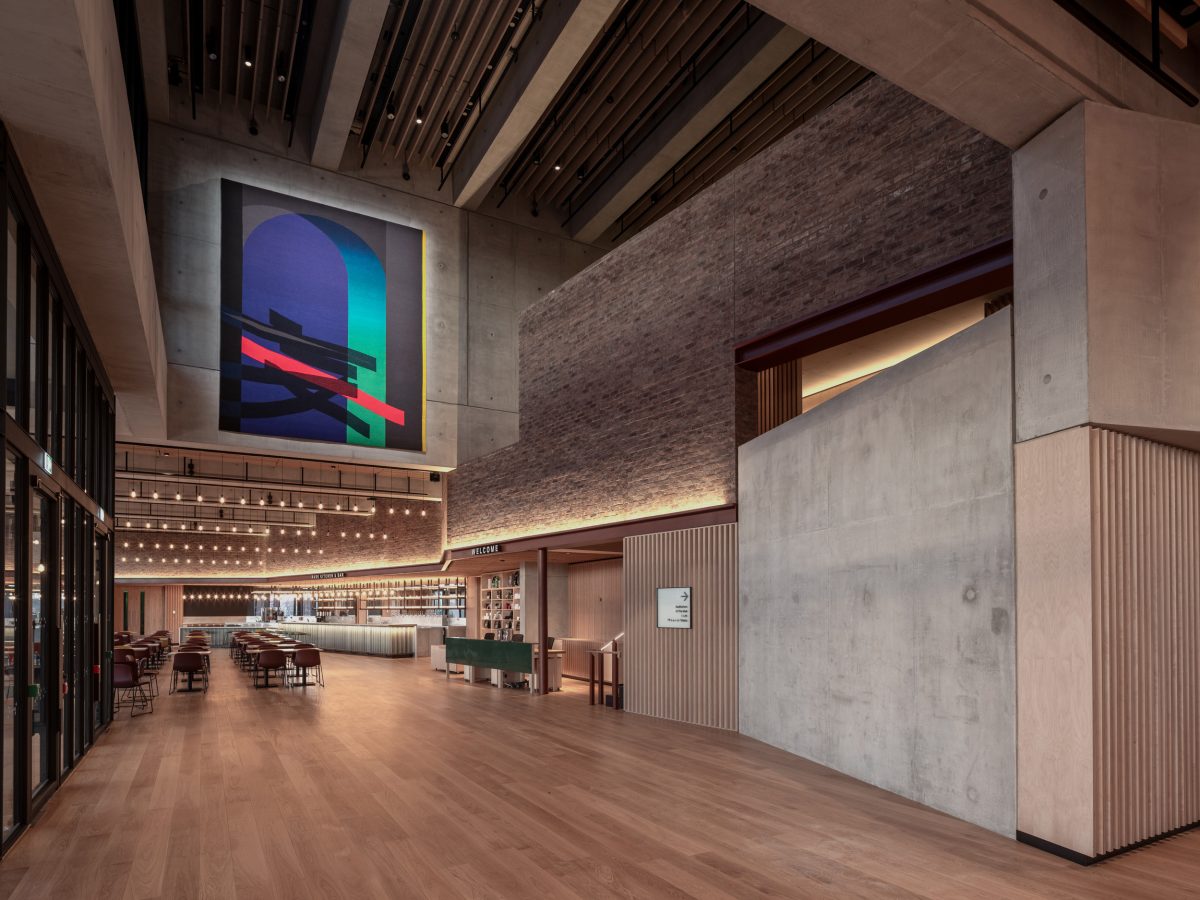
[[392, 782]]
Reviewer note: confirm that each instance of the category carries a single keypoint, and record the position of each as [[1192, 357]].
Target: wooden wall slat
[[595, 600], [689, 675], [1147, 637], [780, 394], [595, 611]]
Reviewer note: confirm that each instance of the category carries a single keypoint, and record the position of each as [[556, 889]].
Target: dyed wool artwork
[[322, 323]]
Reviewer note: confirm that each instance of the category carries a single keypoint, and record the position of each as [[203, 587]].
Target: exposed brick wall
[[627, 388]]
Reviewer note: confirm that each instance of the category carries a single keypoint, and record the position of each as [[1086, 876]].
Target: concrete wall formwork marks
[[876, 580]]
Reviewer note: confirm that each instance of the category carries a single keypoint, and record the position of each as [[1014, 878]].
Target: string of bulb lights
[[439, 588]]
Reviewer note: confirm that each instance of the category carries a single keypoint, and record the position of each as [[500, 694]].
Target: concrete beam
[[1007, 68], [547, 57], [152, 37], [355, 35], [763, 49], [62, 97]]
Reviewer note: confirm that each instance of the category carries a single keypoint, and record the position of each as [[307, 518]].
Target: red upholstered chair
[[139, 658], [188, 664], [130, 689], [270, 660], [307, 659]]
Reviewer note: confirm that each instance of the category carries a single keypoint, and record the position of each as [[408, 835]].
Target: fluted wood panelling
[[595, 611], [595, 600], [689, 675], [1108, 611], [1146, 628], [164, 607], [577, 656], [780, 395]]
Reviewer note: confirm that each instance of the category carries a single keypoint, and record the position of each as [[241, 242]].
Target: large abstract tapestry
[[322, 323]]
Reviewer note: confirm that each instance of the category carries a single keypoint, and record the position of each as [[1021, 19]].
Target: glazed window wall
[[58, 483]]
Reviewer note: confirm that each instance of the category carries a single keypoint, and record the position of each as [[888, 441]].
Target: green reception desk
[[491, 659]]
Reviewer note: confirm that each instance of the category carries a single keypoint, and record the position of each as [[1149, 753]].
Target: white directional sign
[[675, 607]]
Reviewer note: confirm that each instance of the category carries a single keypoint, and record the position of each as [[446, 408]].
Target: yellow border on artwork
[[424, 342]]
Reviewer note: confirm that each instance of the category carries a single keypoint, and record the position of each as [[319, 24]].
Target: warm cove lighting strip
[[704, 502]]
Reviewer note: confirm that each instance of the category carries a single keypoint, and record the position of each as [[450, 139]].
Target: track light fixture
[[253, 125], [404, 173], [445, 128], [558, 166], [420, 118], [533, 210], [391, 107], [211, 44], [248, 56]]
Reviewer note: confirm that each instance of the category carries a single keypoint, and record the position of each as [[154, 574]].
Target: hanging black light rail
[[390, 70]]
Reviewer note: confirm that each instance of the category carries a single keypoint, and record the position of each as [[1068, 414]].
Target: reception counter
[[370, 640]]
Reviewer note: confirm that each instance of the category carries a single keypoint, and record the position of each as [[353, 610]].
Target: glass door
[[10, 727], [45, 692]]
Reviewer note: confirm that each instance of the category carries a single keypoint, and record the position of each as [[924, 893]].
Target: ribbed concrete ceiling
[[438, 66]]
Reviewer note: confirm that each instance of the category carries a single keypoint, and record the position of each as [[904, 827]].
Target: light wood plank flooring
[[392, 782]]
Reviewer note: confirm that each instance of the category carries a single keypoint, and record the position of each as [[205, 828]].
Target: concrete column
[[1106, 206], [1106, 209]]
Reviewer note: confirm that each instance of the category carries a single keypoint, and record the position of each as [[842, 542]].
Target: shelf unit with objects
[[431, 597], [500, 602]]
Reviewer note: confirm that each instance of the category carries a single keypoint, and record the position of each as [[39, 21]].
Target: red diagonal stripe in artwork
[[274, 358]]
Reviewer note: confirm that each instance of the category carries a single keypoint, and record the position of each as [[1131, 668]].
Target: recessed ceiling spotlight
[[558, 166]]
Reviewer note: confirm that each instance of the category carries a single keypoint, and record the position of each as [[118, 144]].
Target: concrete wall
[[1107, 222], [876, 587], [556, 601], [628, 397], [481, 273]]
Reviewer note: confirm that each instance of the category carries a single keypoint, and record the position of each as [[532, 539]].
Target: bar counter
[[370, 640]]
